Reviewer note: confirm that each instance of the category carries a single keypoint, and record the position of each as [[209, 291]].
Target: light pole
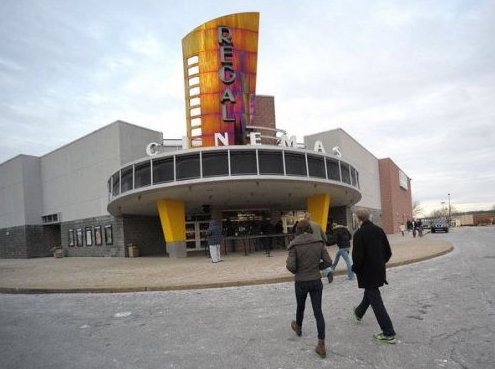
[[449, 209]]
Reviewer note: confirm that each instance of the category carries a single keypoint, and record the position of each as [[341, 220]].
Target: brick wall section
[[29, 241], [396, 201], [36, 240], [40, 239], [146, 233], [265, 116], [115, 249], [13, 243]]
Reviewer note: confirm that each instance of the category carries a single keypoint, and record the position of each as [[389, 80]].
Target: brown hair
[[303, 226]]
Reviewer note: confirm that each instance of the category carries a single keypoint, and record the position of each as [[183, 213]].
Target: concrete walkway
[[70, 275]]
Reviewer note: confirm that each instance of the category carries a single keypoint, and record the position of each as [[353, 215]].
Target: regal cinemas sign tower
[[223, 164], [220, 59]]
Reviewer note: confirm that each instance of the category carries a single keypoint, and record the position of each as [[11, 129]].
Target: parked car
[[440, 224]]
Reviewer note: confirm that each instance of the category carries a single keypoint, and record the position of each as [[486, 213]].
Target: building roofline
[[18, 156], [348, 135], [117, 122]]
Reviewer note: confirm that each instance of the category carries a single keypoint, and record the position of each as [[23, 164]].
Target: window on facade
[[353, 176], [52, 218], [187, 166], [126, 179], [270, 162], [346, 174], [243, 162], [333, 170], [192, 60], [295, 164], [142, 174], [215, 164], [316, 166], [163, 170], [116, 184]]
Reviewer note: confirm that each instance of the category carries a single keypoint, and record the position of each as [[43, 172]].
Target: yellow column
[[318, 206], [173, 219]]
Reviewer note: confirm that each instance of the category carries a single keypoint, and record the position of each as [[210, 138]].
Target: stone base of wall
[[29, 241], [146, 233]]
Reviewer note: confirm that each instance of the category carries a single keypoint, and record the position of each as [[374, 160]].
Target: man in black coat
[[371, 251]]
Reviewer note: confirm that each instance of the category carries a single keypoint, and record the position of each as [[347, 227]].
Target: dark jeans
[[315, 289], [373, 297]]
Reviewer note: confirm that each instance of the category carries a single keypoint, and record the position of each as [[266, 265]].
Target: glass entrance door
[[196, 235]]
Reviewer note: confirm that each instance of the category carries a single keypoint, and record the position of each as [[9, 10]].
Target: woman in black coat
[[371, 251]]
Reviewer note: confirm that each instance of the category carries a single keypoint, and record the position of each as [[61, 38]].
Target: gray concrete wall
[[133, 141], [20, 192], [33, 196], [74, 177], [356, 155]]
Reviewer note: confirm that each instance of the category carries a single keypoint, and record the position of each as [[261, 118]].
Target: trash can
[[133, 250], [58, 253]]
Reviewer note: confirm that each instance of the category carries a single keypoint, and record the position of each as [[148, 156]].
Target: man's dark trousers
[[373, 297], [315, 289]]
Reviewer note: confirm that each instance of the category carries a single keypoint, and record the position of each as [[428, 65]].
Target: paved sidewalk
[[71, 274]]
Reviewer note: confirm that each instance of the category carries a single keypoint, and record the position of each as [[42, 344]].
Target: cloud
[[414, 81]]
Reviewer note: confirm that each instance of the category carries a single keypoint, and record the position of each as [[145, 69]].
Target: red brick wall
[[396, 201], [265, 116]]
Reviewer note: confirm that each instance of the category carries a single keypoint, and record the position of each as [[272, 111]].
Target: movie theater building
[[124, 184]]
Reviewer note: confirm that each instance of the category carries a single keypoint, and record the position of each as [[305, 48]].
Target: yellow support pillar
[[173, 219], [318, 206]]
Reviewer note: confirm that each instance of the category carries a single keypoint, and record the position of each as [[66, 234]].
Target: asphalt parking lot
[[442, 310]]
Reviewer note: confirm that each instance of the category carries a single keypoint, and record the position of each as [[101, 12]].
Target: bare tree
[[443, 212], [440, 213], [417, 209]]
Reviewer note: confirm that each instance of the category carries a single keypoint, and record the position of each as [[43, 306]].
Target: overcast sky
[[409, 80]]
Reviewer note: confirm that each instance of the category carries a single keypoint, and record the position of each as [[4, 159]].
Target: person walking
[[371, 251], [402, 228], [320, 235], [214, 240], [307, 255], [343, 239]]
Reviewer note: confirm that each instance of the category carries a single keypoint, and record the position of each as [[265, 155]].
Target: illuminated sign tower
[[220, 60]]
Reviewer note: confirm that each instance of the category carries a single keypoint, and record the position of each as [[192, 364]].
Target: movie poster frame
[[71, 238], [108, 235], [79, 237], [98, 235], [88, 235]]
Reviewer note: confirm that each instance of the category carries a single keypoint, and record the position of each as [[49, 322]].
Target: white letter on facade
[[336, 151], [223, 139], [255, 138], [319, 147], [151, 149], [289, 142]]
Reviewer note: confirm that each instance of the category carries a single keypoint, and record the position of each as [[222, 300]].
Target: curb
[[30, 291]]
